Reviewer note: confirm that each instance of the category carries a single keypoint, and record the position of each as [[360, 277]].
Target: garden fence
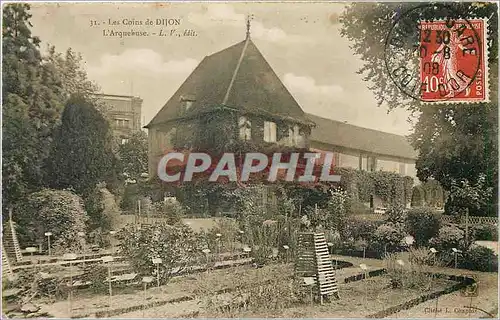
[[444, 218]]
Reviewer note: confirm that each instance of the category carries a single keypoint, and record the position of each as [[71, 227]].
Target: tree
[[81, 156], [134, 155], [32, 95], [74, 79], [455, 142], [57, 211]]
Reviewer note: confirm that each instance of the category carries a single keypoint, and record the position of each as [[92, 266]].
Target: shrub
[[333, 216], [447, 238], [480, 258], [360, 229], [388, 237], [485, 232], [423, 224], [58, 211], [410, 276], [396, 214], [172, 210], [177, 246], [229, 232]]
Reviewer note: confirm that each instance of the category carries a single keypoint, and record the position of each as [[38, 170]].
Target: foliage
[[454, 142], [464, 195], [388, 237], [73, 77], [429, 193], [396, 214], [447, 238], [485, 232], [223, 236], [265, 290], [360, 229], [133, 156], [97, 275], [410, 276], [480, 258], [172, 210], [94, 206], [81, 156], [334, 216], [36, 285], [391, 187], [423, 224], [58, 211], [31, 104], [177, 246]]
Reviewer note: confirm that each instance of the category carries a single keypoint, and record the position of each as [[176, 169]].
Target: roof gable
[[358, 138], [238, 77]]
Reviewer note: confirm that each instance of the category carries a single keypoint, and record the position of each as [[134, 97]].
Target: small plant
[[408, 276], [178, 247], [423, 224], [480, 258], [485, 232], [388, 237], [448, 237]]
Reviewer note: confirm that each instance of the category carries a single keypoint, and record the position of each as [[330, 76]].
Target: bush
[[177, 246], [395, 214], [360, 229], [448, 237], [388, 237], [423, 224], [172, 210], [480, 258], [58, 211], [410, 276], [485, 232]]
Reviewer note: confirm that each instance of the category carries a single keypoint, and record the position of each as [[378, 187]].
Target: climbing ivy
[[392, 188]]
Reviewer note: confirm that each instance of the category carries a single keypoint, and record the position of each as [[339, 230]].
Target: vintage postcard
[[250, 159]]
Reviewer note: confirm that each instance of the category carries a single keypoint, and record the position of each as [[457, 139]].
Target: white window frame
[[269, 131]]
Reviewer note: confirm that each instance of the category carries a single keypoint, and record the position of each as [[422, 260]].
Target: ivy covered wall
[[391, 188]]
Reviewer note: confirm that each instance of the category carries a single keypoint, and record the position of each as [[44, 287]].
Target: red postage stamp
[[453, 61]]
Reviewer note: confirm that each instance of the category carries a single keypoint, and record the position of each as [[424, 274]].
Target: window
[[245, 127], [122, 123], [269, 131], [186, 102], [402, 168], [372, 164]]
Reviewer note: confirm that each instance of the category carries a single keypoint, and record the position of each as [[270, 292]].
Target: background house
[[124, 114], [237, 90], [239, 85]]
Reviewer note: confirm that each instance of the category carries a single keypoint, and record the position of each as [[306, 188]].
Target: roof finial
[[249, 18]]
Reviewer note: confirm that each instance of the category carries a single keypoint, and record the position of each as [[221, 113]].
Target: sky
[[301, 42]]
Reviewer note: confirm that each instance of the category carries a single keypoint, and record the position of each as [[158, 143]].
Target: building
[[238, 80], [124, 114], [362, 148]]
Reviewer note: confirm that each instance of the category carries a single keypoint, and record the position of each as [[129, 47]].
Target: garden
[[246, 266]]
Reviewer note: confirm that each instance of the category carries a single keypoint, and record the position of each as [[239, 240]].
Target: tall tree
[[32, 95], [134, 155], [456, 143], [81, 156]]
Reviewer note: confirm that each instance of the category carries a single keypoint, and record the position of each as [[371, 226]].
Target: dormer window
[[186, 102], [269, 131], [245, 127]]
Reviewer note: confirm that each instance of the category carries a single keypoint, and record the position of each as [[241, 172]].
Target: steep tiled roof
[[353, 137], [237, 77]]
